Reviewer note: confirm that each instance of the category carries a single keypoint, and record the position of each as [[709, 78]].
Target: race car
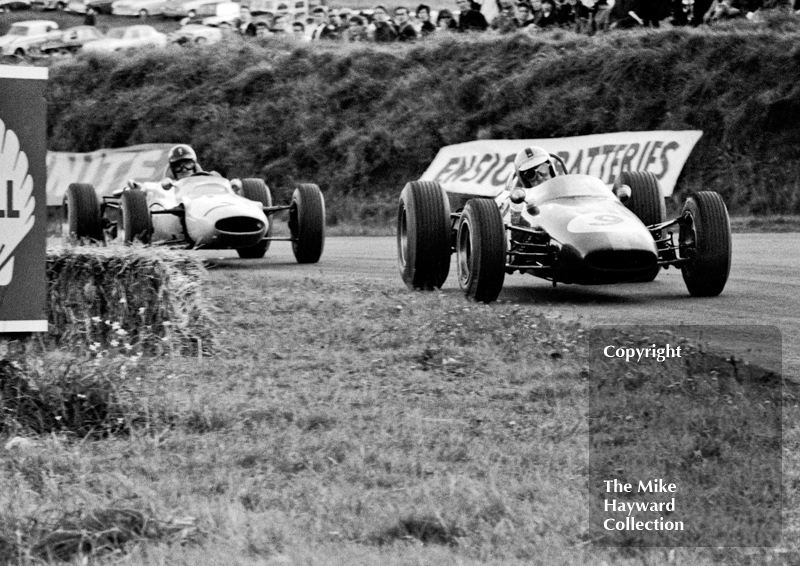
[[202, 211], [572, 228]]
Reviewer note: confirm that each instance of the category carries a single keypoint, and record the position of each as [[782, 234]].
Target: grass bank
[[362, 120], [417, 429]]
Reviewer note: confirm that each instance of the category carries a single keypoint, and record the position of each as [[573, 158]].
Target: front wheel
[[481, 250], [307, 223], [257, 190], [705, 239], [647, 203], [81, 213], [423, 235], [135, 217]]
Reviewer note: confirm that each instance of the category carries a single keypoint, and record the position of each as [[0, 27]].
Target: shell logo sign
[[22, 199]]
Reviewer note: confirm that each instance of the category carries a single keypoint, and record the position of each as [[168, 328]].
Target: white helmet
[[528, 164]]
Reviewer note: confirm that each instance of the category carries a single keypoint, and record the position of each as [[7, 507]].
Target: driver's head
[[533, 166], [183, 161]]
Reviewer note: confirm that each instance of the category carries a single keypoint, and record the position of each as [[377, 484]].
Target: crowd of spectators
[[530, 16]]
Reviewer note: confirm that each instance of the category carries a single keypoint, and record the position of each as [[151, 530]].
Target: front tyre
[[705, 234], [481, 250], [135, 216], [646, 202], [80, 213], [423, 235], [307, 223], [257, 190]]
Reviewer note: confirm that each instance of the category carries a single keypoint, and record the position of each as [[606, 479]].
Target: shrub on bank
[[362, 120]]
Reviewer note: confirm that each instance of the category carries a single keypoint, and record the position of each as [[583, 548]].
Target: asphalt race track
[[763, 289]]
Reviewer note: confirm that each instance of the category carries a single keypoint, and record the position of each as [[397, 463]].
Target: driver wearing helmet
[[183, 162], [533, 166]]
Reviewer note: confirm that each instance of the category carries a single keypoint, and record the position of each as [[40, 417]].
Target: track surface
[[763, 289]]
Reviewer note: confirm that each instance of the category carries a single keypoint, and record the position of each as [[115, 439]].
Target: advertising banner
[[23, 216], [107, 169], [483, 166]]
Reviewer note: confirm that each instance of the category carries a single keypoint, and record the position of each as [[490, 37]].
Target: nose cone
[[225, 221]]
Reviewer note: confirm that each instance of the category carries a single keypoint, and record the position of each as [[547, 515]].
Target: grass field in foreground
[[344, 424]]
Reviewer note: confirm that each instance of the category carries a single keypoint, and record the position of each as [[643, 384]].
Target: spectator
[[649, 12], [280, 25], [424, 16], [584, 16], [357, 30], [505, 21], [321, 28], [524, 15], [721, 10], [405, 31], [299, 30], [700, 9], [445, 21], [536, 8], [381, 29], [602, 14], [338, 23], [565, 13], [471, 18], [547, 17], [243, 23], [90, 19], [682, 12]]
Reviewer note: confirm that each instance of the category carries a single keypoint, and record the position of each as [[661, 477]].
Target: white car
[[131, 37], [22, 36], [192, 8], [138, 8], [226, 14], [76, 7], [196, 33], [202, 211]]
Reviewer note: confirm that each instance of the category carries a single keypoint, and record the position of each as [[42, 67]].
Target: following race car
[[201, 211], [570, 228]]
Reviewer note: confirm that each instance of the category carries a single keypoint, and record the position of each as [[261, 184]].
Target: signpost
[[23, 215]]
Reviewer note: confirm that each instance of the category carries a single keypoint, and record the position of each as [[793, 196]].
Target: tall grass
[[362, 120]]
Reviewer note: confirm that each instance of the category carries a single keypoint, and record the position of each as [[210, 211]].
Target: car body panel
[[136, 7], [71, 40], [192, 8], [205, 200], [196, 33]]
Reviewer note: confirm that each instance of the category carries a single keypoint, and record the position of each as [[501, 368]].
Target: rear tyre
[[423, 235], [257, 190], [481, 250], [706, 231], [307, 223], [646, 202], [137, 224], [80, 213]]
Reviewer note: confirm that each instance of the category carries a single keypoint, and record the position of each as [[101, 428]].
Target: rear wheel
[[481, 250], [706, 234], [307, 223], [257, 190], [646, 202], [137, 224], [80, 213], [423, 235]]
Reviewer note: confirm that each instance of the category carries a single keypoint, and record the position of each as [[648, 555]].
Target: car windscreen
[[18, 30], [572, 186]]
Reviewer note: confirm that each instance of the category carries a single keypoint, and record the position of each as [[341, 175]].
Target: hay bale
[[138, 296]]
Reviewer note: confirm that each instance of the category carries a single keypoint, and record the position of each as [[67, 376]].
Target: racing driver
[[183, 162], [533, 166]]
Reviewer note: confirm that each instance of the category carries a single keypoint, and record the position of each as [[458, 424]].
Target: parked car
[[71, 40], [192, 8], [295, 9], [76, 7], [196, 33], [22, 36], [138, 8], [49, 4], [101, 6], [131, 37], [8, 5]]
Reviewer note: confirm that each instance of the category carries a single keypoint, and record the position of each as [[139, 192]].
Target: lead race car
[[572, 228], [202, 211]]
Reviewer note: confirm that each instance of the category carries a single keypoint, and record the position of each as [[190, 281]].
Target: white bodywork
[[206, 200], [131, 37], [196, 33]]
